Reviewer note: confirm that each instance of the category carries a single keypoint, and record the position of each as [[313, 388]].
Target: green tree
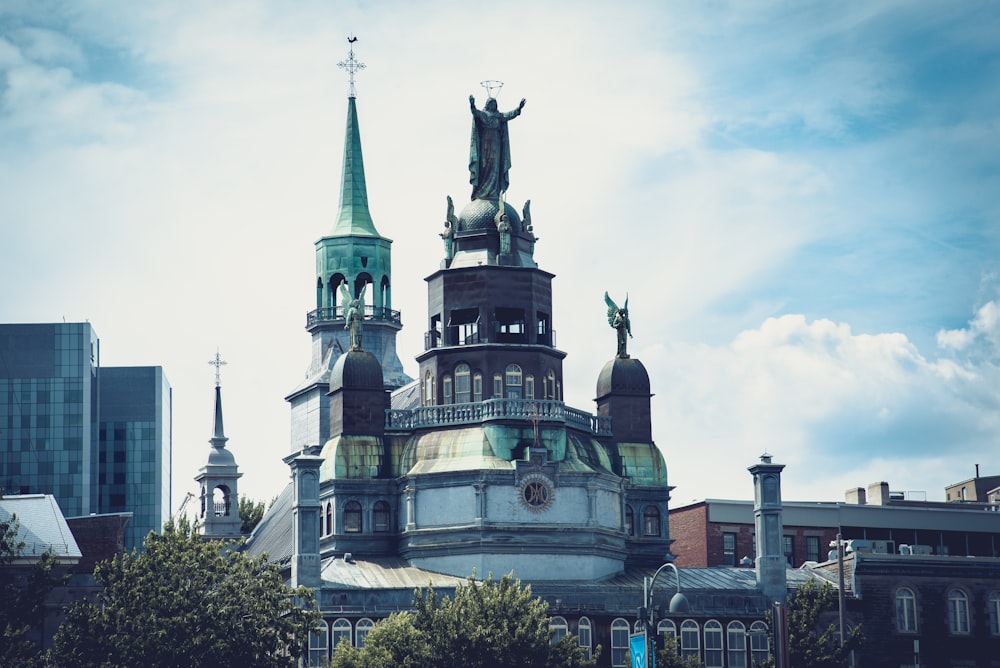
[[669, 656], [184, 601], [251, 513], [810, 643], [23, 591], [494, 623]]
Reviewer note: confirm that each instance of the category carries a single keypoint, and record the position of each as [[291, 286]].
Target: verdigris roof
[[354, 218], [41, 527]]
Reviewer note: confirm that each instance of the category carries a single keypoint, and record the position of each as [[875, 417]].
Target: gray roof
[[41, 526], [273, 535]]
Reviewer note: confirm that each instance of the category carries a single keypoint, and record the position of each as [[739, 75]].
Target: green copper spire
[[355, 219]]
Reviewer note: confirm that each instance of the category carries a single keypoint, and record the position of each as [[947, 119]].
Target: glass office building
[[98, 439]]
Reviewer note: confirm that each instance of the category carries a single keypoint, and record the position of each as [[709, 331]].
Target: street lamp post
[[678, 604]]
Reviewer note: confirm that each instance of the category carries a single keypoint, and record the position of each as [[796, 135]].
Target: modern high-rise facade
[[98, 439]]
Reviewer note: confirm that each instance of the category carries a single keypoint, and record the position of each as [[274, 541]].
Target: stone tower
[[353, 261], [219, 516]]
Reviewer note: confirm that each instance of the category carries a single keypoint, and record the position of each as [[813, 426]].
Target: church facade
[[477, 466]]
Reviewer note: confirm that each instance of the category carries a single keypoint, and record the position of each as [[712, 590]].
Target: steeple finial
[[354, 218], [218, 439], [218, 363], [352, 65]]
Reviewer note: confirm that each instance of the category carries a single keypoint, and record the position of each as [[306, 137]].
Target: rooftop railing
[[334, 313], [496, 409]]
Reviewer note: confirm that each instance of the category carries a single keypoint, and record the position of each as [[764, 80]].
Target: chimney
[[878, 494], [855, 495]]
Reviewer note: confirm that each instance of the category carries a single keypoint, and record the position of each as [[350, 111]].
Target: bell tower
[[352, 262], [219, 516]]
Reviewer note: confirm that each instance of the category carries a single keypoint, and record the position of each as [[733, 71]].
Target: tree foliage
[[251, 513], [184, 601], [23, 591], [489, 624], [669, 656], [810, 644]]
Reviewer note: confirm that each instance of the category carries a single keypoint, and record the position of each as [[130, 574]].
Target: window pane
[[364, 627], [736, 641], [583, 635], [619, 641], [713, 644], [690, 642], [906, 619], [729, 549], [462, 375], [559, 628], [958, 612]]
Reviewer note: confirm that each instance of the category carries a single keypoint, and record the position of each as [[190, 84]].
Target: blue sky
[[799, 199]]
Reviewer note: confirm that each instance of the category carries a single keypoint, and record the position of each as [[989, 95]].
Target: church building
[[477, 466]]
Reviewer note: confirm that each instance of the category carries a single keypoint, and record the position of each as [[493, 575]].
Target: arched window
[[462, 394], [690, 641], [319, 292], [477, 387], [529, 387], [513, 381], [629, 521], [333, 293], [380, 516], [329, 518], [958, 612], [585, 636], [497, 386], [429, 399], [736, 643], [906, 611], [386, 294], [341, 632], [994, 610], [651, 521], [352, 517], [619, 641], [713, 644], [363, 628], [446, 389], [361, 281], [760, 646], [319, 645], [550, 384], [666, 629], [220, 501], [559, 628]]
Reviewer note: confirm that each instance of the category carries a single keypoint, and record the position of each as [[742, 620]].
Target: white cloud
[[984, 327], [824, 401]]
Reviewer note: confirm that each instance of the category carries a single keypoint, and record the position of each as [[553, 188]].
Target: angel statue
[[354, 313], [450, 225], [529, 229], [618, 319], [503, 225]]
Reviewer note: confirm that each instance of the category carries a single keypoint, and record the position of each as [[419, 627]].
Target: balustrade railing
[[496, 409], [333, 313]]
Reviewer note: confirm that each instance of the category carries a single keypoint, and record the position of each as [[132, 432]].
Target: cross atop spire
[[218, 363], [352, 65]]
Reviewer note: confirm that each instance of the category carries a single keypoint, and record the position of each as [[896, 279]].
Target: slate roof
[[273, 535], [41, 527]]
